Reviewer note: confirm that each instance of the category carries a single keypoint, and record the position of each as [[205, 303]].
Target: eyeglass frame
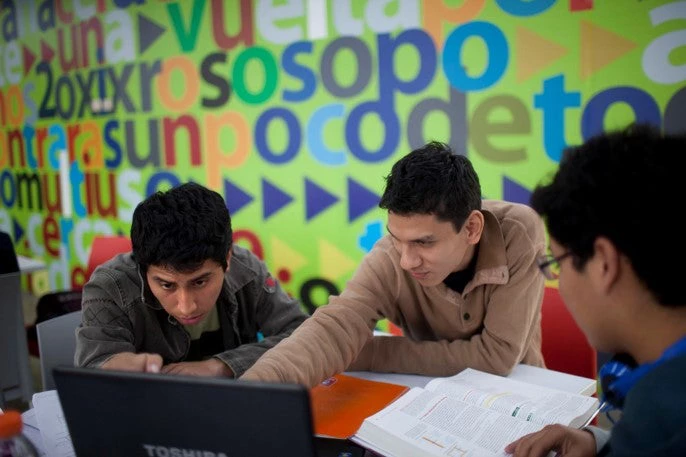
[[544, 263]]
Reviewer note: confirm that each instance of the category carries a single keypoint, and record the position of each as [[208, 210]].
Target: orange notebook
[[341, 403]]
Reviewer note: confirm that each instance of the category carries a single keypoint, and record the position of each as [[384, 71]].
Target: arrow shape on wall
[[273, 199], [600, 47], [148, 33], [534, 53], [235, 197], [29, 59], [515, 192], [284, 257], [333, 263], [18, 230], [316, 199], [46, 52], [360, 200]]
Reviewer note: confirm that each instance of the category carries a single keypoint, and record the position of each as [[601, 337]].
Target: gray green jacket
[[120, 314]]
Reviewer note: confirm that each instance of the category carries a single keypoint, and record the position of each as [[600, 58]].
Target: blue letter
[[293, 136], [159, 177], [6, 176], [113, 163], [315, 128], [426, 51], [76, 178], [498, 55], [553, 101], [29, 132], [59, 145], [386, 112], [304, 74], [66, 226], [643, 105], [525, 8]]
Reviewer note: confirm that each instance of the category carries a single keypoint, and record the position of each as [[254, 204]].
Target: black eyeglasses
[[550, 265]]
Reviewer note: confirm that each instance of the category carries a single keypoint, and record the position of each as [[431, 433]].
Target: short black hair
[[433, 180], [181, 228], [626, 186]]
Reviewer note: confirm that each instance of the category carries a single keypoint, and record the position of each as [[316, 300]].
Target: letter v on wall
[[187, 38]]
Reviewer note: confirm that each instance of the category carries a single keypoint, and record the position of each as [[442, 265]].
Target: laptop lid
[[112, 413]]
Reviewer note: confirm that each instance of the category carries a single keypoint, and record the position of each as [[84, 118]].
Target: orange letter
[[216, 155], [436, 14], [176, 95]]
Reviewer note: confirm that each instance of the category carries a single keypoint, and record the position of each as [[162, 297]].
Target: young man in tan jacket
[[457, 275]]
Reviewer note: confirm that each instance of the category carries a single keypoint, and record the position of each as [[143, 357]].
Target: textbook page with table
[[470, 414]]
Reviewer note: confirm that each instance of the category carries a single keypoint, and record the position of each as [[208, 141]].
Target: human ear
[[605, 263], [474, 226]]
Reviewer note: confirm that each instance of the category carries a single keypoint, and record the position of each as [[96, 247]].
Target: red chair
[[55, 304], [104, 248], [565, 347]]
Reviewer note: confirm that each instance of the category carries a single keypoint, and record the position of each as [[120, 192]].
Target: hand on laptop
[[210, 367], [128, 361], [567, 441]]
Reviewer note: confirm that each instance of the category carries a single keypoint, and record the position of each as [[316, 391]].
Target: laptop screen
[[111, 413]]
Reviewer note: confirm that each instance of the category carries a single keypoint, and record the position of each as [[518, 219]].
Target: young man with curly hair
[[186, 300]]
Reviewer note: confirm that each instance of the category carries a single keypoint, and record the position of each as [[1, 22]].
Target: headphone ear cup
[[607, 378], [614, 392], [621, 373]]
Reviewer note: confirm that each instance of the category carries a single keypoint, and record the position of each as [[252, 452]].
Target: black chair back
[[8, 258]]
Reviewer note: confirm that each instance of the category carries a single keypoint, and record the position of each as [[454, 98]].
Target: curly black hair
[[181, 228], [433, 180], [626, 186]]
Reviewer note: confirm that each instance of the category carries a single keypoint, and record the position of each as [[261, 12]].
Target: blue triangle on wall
[[273, 199], [360, 200], [515, 192], [235, 197], [316, 199], [18, 231]]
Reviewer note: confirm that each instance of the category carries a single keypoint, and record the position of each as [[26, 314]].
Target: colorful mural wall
[[295, 110]]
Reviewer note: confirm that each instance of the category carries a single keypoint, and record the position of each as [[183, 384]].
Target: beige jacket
[[492, 326]]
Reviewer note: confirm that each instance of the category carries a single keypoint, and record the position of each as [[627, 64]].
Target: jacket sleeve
[[330, 340], [510, 322], [277, 315], [601, 437], [106, 328]]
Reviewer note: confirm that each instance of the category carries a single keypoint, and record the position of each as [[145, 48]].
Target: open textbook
[[470, 414]]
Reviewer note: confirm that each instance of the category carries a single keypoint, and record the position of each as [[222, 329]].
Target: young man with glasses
[[458, 275], [618, 252]]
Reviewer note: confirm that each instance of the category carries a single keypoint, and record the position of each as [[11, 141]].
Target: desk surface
[[525, 373], [29, 265]]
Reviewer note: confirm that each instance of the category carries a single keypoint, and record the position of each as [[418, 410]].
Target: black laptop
[[123, 414]]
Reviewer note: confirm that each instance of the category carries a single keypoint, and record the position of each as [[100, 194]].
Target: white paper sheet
[[52, 425], [32, 431]]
